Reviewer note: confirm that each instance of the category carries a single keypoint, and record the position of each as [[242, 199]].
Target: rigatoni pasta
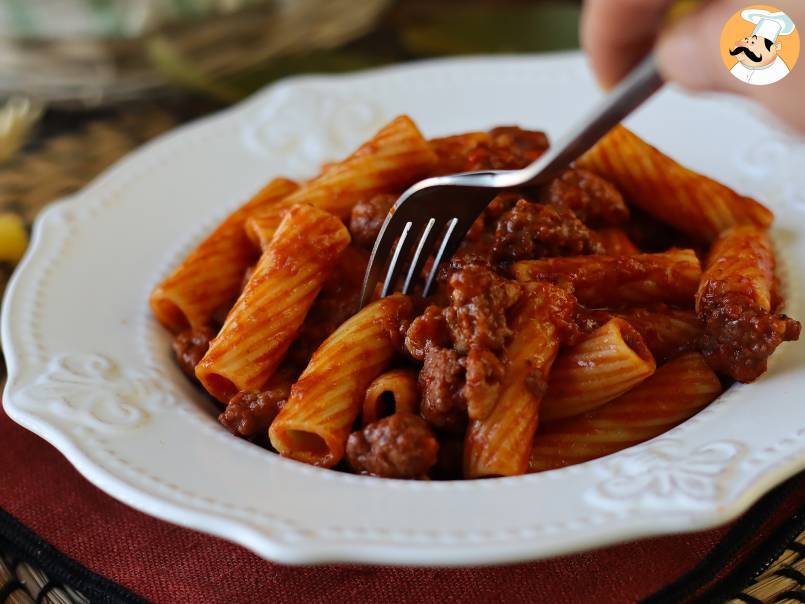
[[691, 202], [666, 331], [395, 391], [269, 312], [608, 362], [210, 277], [676, 391], [734, 300], [396, 157], [315, 422], [499, 444], [601, 281], [616, 242], [568, 325]]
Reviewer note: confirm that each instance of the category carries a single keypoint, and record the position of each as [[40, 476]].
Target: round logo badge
[[760, 45]]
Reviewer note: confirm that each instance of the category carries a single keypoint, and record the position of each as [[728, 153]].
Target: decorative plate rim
[[686, 482]]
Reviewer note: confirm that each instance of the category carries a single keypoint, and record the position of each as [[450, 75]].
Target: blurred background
[[82, 82]]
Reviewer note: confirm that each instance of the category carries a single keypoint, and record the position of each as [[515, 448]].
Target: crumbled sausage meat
[[250, 412], [595, 201], [484, 372], [441, 381], [190, 346], [508, 148], [533, 230], [398, 446], [477, 313], [428, 330], [739, 337], [367, 217]]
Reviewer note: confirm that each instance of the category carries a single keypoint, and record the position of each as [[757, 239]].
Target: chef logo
[[760, 45]]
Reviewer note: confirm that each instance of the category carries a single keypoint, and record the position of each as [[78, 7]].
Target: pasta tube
[[396, 157], [676, 391], [499, 444], [608, 362], [315, 422], [210, 277], [691, 202], [270, 310], [606, 281]]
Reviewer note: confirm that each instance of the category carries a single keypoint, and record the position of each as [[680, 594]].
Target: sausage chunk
[[739, 337], [533, 230], [250, 412], [190, 346], [441, 381], [367, 217], [427, 331], [595, 201], [477, 313], [398, 446]]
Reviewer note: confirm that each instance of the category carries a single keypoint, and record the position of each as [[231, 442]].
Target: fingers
[[616, 34], [689, 54]]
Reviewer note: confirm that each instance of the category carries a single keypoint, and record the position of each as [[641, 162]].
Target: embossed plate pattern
[[91, 371]]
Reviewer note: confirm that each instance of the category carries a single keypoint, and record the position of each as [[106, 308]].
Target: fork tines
[[410, 234]]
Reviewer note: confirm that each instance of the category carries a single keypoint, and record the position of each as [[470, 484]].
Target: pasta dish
[[575, 320]]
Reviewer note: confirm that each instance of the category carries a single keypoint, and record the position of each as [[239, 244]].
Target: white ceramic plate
[[91, 371]]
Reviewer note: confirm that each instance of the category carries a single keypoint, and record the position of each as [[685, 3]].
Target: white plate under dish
[[91, 371]]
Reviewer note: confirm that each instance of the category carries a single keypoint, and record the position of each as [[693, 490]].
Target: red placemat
[[162, 562]]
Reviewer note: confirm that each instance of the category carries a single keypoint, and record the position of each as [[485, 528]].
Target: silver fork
[[450, 204]]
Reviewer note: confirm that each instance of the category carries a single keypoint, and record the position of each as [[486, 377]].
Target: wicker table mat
[[60, 163]]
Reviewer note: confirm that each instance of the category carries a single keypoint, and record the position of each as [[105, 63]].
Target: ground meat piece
[[533, 230], [190, 346], [367, 217], [250, 412], [508, 148], [470, 254], [528, 144], [587, 321], [484, 372], [428, 330], [477, 312], [594, 200], [337, 302], [441, 381], [739, 337], [399, 446]]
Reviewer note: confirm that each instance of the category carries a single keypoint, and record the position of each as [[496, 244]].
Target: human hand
[[616, 34]]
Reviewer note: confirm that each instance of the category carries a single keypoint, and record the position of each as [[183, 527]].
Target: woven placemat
[[60, 163]]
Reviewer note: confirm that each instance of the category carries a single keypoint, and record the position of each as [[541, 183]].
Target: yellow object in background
[[13, 237]]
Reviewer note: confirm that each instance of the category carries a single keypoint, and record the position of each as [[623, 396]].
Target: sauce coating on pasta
[[575, 319]]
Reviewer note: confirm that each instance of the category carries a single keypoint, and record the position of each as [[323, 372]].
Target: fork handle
[[643, 81]]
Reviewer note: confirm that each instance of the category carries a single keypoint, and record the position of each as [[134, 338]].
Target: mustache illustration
[[743, 49]]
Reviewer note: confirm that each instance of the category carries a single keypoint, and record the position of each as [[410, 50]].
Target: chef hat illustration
[[767, 24]]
